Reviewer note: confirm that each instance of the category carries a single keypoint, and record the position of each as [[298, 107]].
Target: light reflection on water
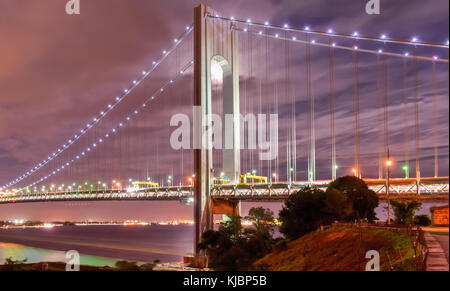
[[36, 255]]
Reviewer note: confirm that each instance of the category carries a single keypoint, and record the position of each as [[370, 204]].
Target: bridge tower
[[214, 39]]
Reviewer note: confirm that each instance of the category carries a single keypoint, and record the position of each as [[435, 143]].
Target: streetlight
[[388, 164], [274, 175], [354, 172], [406, 169]]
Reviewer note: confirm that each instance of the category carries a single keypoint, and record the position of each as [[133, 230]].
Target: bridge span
[[400, 188]]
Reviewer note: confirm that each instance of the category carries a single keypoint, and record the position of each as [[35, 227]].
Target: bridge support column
[[227, 207], [207, 33]]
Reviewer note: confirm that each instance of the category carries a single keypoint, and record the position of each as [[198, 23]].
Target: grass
[[439, 233], [343, 248]]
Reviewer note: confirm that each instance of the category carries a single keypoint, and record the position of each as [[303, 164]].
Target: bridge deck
[[430, 189]]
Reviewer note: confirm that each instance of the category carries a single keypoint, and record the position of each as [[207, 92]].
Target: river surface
[[98, 245], [102, 245]]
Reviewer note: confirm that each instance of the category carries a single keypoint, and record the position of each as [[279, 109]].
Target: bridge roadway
[[400, 188]]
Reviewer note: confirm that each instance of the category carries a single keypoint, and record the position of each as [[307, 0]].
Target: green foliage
[[422, 219], [147, 267], [363, 200], [13, 265], [404, 210], [232, 228], [234, 248], [11, 261], [337, 204], [262, 220], [303, 212], [347, 198], [126, 266]]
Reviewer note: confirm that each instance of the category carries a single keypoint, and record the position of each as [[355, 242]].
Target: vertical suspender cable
[[380, 120], [416, 120], [356, 111], [406, 116], [311, 136], [333, 137], [435, 122], [385, 106]]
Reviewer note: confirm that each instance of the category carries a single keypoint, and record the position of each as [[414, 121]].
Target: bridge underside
[[429, 189]]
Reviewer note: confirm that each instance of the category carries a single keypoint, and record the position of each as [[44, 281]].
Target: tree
[[422, 220], [233, 248], [11, 261], [262, 219], [232, 228], [14, 265], [404, 210], [126, 266], [303, 212], [337, 204], [363, 200]]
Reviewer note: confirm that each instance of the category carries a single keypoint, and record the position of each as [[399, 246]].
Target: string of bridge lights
[[331, 33], [114, 130], [103, 113], [335, 45]]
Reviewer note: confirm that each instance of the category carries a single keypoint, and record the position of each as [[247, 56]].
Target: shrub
[[422, 219]]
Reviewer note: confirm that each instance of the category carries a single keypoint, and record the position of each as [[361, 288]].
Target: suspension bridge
[[330, 91]]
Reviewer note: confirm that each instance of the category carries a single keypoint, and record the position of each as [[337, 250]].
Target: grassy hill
[[343, 248]]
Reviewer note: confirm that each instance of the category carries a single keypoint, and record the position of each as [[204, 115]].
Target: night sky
[[57, 71]]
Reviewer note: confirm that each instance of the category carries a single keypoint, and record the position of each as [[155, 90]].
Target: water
[[98, 245]]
